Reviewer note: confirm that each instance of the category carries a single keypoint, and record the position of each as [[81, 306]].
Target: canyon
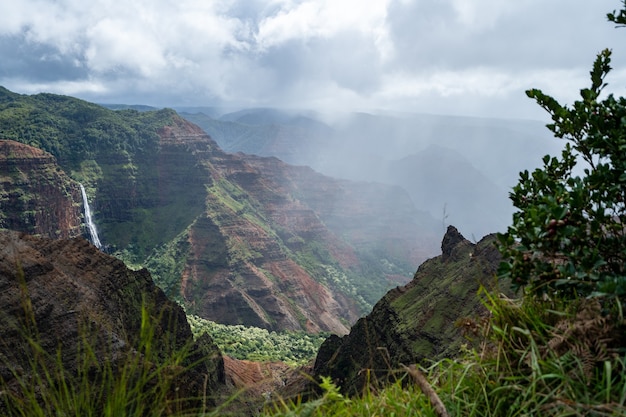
[[235, 238]]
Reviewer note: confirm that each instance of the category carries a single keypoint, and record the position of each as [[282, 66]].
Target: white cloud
[[478, 15], [322, 18], [325, 19], [390, 53], [479, 81], [67, 87]]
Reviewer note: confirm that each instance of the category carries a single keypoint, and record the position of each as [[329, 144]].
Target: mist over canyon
[[458, 169]]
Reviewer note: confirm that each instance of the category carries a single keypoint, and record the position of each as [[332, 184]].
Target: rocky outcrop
[[415, 322], [36, 196], [61, 293]]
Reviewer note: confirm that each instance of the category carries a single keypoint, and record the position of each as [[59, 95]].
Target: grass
[[96, 374], [134, 383], [396, 400], [531, 362]]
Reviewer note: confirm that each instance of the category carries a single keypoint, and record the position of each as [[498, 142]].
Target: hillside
[[36, 196], [237, 239], [417, 322], [71, 312]]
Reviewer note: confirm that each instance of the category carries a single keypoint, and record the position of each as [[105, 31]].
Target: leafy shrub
[[569, 235], [253, 343]]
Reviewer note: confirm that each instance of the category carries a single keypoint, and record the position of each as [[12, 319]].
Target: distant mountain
[[445, 183], [265, 134], [362, 147], [237, 239], [138, 107]]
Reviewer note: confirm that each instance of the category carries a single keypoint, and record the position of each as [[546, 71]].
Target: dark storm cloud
[[37, 62]]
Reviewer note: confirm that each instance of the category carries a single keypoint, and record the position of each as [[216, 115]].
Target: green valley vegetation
[[75, 131], [255, 344]]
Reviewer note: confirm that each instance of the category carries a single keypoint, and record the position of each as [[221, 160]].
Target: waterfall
[[90, 224]]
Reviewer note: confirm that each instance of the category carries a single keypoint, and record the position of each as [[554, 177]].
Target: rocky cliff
[[36, 196], [416, 322], [235, 267], [61, 293]]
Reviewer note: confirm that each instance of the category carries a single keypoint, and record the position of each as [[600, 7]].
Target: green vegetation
[[74, 130], [365, 285], [114, 154], [253, 343], [568, 236], [166, 265], [100, 381], [395, 400], [536, 359]]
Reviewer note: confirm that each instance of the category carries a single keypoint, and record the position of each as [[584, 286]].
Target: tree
[[619, 18], [568, 236]]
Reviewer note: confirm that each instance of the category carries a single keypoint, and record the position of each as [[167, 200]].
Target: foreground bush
[[139, 382]]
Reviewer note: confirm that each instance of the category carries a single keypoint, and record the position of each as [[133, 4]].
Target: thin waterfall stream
[[89, 220]]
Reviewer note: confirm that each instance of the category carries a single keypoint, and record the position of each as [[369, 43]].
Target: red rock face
[[244, 264], [36, 196], [237, 271]]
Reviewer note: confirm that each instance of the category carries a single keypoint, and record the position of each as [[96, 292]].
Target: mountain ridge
[[416, 322]]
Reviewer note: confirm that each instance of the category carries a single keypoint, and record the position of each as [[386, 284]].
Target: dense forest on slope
[[75, 131]]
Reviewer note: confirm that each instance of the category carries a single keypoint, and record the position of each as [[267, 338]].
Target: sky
[[459, 57]]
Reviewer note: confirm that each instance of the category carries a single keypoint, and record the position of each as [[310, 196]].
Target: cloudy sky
[[466, 57]]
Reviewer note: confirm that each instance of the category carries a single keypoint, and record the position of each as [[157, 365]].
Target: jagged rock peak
[[450, 240], [416, 322]]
